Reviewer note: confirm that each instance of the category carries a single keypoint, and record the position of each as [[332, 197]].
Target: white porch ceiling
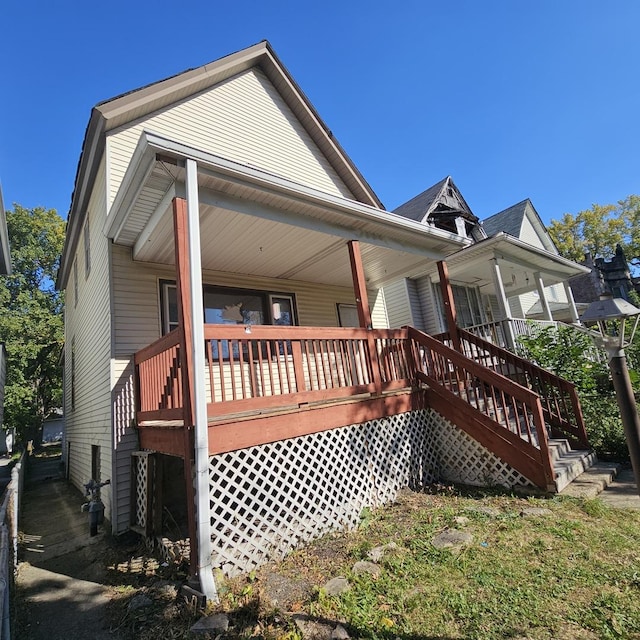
[[282, 231]]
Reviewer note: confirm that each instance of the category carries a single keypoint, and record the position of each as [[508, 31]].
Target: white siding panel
[[378, 305], [243, 119], [87, 326], [428, 305], [414, 302], [398, 305], [529, 235]]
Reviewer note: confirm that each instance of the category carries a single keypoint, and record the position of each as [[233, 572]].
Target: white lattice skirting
[[267, 500]]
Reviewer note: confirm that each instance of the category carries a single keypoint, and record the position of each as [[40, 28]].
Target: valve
[[95, 506]]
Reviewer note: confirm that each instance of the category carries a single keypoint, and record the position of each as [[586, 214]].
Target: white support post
[[546, 309], [573, 310], [504, 305], [203, 514]]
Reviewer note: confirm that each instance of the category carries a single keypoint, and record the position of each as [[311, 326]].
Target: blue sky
[[513, 99]]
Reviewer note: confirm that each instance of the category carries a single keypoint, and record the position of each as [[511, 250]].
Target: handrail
[[559, 397], [257, 367], [512, 411]]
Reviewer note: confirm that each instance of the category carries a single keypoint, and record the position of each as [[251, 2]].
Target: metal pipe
[[203, 509], [627, 405]]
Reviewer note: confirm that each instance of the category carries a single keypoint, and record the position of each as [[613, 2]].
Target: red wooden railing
[[159, 379], [559, 398], [499, 413], [251, 368]]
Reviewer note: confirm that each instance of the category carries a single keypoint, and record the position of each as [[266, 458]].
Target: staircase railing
[[559, 398], [498, 412]]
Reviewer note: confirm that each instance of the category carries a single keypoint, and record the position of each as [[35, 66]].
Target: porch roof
[[518, 262], [253, 222]]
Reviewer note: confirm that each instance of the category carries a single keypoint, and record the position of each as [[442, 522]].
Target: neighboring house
[[5, 269], [228, 363], [511, 266], [605, 276]]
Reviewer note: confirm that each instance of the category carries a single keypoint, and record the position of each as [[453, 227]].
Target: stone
[[487, 511], [339, 633], [311, 629], [364, 566], [218, 622], [377, 553], [461, 521], [336, 586], [536, 511], [452, 539], [139, 602], [281, 592]]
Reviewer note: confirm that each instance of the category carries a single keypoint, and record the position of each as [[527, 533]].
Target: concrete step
[[593, 481], [570, 465], [558, 447]]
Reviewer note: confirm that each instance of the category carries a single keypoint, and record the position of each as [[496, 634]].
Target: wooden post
[[183, 289], [364, 315], [359, 284], [449, 305]]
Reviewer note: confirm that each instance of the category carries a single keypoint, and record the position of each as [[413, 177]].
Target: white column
[[573, 310], [546, 309], [504, 305], [203, 512]]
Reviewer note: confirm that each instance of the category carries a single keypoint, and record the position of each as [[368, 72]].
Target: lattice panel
[[140, 488], [463, 460], [268, 499]]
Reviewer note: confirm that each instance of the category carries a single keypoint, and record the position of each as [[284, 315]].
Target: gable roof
[[442, 199], [511, 219], [138, 103], [508, 220]]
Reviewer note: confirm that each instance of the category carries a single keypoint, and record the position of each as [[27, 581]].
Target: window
[[87, 250], [224, 305], [348, 315], [467, 302]]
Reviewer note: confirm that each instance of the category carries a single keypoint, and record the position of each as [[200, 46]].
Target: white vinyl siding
[[137, 304], [428, 306], [396, 296], [87, 327], [243, 119]]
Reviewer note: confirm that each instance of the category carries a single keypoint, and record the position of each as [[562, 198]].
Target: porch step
[[569, 464], [593, 481]]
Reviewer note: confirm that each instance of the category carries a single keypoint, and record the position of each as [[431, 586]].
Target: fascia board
[[85, 178]]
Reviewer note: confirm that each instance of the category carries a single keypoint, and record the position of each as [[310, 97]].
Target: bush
[[571, 355]]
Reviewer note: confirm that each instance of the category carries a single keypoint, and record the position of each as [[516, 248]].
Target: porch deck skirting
[[269, 499]]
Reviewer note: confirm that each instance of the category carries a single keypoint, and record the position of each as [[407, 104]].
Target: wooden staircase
[[527, 416]]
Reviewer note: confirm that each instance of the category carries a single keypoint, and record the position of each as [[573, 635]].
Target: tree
[[598, 230], [31, 321]]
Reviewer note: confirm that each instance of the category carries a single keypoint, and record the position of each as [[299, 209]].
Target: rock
[[339, 633], [377, 553], [166, 589], [452, 539], [281, 592], [364, 566], [461, 521], [139, 602], [487, 511], [336, 586], [312, 629], [536, 511], [219, 622]]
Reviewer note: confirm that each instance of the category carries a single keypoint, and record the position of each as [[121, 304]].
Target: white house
[[229, 363]]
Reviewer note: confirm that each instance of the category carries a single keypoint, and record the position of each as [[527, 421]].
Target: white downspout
[[203, 514]]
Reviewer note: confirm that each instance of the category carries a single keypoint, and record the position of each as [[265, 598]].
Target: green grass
[[572, 574]]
